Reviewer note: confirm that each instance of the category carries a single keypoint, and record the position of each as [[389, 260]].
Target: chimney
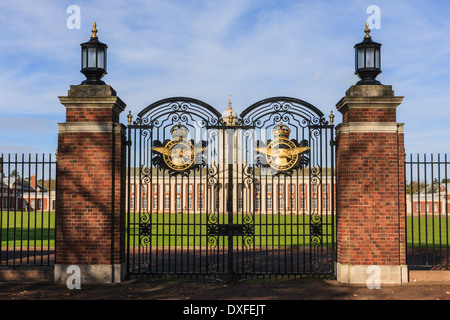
[[33, 182]]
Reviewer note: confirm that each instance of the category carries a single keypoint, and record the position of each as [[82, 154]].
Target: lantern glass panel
[[360, 58], [92, 59], [377, 59], [84, 58], [101, 59], [370, 58]]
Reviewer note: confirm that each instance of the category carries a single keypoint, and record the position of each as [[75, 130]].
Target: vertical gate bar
[[333, 193], [137, 171], [159, 213], [439, 206], [411, 237], [432, 209], [48, 204], [446, 207], [35, 210], [175, 215], [21, 210], [15, 211], [42, 209], [29, 211], [419, 209], [8, 207], [426, 207], [230, 204], [137, 190], [128, 182], [320, 198]]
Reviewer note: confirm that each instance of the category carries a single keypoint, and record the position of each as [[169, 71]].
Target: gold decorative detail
[[282, 154], [179, 153], [94, 32], [281, 131], [367, 31], [130, 118], [332, 118]]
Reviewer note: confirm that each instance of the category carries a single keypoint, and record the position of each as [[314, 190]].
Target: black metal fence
[[427, 211], [28, 209]]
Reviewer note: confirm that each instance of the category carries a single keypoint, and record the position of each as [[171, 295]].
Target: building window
[[280, 203], [302, 188], [166, 203], [269, 188], [178, 203], [132, 188], [292, 203], [201, 203], [155, 202], [132, 203], [325, 188], [314, 188], [325, 204], [201, 187], [144, 203], [166, 188], [258, 188], [258, 203], [190, 202], [302, 203], [240, 203], [280, 188], [314, 203], [155, 188], [435, 207], [190, 188], [269, 203], [178, 188], [144, 188]]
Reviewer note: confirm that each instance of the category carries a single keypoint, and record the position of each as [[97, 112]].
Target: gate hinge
[[333, 143], [128, 143]]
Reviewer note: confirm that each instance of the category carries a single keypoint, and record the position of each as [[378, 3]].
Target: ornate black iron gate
[[227, 197]]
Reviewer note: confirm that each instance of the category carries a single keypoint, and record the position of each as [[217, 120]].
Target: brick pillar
[[90, 221], [370, 187]]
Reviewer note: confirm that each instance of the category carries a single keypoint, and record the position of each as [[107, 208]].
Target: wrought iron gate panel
[[198, 195]]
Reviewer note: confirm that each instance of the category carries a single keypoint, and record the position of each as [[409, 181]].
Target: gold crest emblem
[[282, 154], [179, 153]]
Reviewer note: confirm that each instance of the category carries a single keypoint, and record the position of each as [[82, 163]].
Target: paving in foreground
[[276, 289]]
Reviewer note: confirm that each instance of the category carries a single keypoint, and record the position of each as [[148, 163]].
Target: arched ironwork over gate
[[227, 197]]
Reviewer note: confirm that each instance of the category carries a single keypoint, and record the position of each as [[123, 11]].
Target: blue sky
[[251, 49]]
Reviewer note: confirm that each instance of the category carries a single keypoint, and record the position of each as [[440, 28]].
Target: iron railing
[[427, 211], [28, 209]]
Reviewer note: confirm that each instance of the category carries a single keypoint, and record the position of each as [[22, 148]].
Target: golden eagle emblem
[[282, 154], [179, 153]]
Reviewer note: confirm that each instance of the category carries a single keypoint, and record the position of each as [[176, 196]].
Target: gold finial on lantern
[[367, 31], [94, 32]]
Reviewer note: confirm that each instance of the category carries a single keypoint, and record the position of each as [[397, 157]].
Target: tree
[[15, 174]]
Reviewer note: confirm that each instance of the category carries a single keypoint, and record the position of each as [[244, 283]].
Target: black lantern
[[93, 59], [368, 59]]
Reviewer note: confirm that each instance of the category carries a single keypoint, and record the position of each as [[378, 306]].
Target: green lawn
[[34, 229], [38, 230]]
